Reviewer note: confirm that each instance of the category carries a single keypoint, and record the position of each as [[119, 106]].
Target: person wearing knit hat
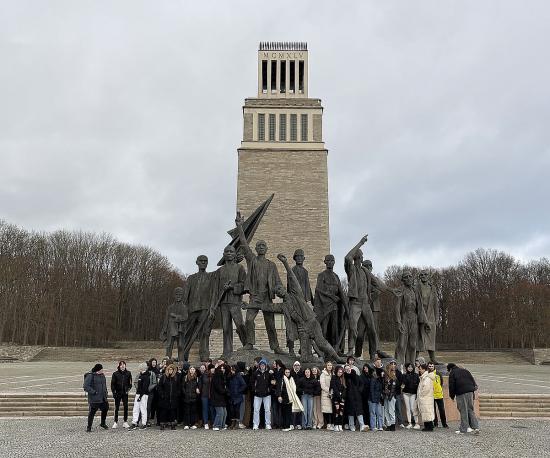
[[142, 394], [95, 386]]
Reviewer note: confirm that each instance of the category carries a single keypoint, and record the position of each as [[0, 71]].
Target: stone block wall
[[298, 216]]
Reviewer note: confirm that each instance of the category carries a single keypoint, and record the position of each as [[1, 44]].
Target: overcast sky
[[124, 117]]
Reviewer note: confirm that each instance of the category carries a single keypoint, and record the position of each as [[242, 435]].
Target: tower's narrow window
[[264, 76], [273, 75], [292, 83], [293, 127], [282, 127], [303, 134], [282, 85], [271, 127], [301, 76], [261, 127]]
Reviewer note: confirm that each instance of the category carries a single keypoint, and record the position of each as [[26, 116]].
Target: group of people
[[220, 396]]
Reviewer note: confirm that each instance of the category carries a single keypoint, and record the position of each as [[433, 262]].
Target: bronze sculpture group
[[318, 319]]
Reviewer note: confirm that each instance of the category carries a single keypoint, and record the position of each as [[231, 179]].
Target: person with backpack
[[121, 383], [142, 383], [95, 386]]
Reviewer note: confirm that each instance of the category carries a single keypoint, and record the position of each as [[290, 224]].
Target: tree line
[[77, 289], [489, 300]]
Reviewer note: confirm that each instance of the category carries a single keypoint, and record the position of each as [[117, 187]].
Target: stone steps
[[514, 406], [75, 404], [47, 405]]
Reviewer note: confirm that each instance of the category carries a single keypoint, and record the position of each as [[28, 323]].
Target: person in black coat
[[462, 386], [354, 401], [168, 391], [219, 394], [121, 383], [95, 386], [365, 389], [191, 392], [283, 398], [409, 386], [338, 397], [308, 386]]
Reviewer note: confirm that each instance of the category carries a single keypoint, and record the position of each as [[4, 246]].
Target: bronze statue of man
[[430, 306], [374, 287], [228, 284], [408, 316], [299, 311], [261, 280], [374, 296], [330, 302], [173, 329], [198, 297], [360, 313], [303, 279]]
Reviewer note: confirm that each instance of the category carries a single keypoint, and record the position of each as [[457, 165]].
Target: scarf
[[292, 396]]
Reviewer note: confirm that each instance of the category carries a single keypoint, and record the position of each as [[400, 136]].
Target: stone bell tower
[[283, 152]]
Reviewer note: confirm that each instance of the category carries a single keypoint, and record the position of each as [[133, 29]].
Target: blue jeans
[[351, 422], [221, 417], [207, 410], [307, 418], [376, 415], [266, 401]]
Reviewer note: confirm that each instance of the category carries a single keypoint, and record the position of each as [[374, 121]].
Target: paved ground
[[66, 438], [43, 376]]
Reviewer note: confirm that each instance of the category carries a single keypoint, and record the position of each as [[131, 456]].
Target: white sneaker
[[224, 428], [115, 426], [194, 427], [335, 428], [345, 426], [186, 427], [364, 428], [329, 427], [469, 430], [206, 426], [409, 426], [417, 426], [215, 429], [286, 429], [299, 427], [401, 425], [241, 426], [125, 425], [255, 428], [291, 427], [268, 427], [459, 432], [352, 428]]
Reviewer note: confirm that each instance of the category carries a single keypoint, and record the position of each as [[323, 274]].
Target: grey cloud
[[126, 117]]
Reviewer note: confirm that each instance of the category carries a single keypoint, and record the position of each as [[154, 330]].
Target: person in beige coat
[[425, 397], [326, 403]]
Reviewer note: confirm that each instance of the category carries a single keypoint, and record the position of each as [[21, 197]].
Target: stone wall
[[298, 216]]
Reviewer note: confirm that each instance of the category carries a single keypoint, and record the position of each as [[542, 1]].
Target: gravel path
[[62, 437]]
